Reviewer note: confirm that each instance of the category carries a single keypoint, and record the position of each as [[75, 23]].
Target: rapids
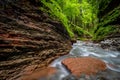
[[81, 49]]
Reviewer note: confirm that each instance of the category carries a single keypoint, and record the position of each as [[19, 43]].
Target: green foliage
[[80, 17], [56, 9]]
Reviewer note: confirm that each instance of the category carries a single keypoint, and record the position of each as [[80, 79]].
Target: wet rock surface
[[111, 44], [88, 57], [84, 65], [30, 41], [27, 39], [42, 74]]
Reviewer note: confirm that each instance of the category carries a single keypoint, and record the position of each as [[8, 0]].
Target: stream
[[82, 49]]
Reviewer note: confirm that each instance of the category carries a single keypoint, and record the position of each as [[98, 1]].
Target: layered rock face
[[27, 39]]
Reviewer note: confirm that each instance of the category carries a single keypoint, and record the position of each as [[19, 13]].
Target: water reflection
[[80, 49]]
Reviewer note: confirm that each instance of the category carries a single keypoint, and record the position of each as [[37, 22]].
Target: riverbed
[[89, 49]]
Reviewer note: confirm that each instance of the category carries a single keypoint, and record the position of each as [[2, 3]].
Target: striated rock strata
[[27, 38]]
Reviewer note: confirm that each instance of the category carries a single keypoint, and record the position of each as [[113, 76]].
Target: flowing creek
[[82, 49]]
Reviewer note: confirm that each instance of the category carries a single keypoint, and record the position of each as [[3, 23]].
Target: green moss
[[80, 17]]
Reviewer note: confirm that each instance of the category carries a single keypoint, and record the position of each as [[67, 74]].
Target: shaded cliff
[[28, 37]]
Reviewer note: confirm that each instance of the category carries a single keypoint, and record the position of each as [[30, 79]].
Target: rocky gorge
[[35, 47]]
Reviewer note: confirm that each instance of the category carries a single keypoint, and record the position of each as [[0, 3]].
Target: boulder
[[84, 65]]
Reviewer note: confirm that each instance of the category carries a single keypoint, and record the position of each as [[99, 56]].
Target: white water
[[81, 49]]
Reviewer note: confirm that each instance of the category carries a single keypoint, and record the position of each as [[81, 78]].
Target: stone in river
[[40, 74], [84, 65]]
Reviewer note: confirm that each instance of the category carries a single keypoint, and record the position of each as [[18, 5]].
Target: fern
[[56, 10], [80, 17]]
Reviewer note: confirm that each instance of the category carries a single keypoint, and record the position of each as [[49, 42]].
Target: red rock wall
[[26, 39]]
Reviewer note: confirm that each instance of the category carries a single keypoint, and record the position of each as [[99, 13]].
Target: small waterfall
[[81, 49]]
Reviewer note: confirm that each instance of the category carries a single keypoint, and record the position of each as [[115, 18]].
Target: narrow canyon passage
[[35, 46]]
